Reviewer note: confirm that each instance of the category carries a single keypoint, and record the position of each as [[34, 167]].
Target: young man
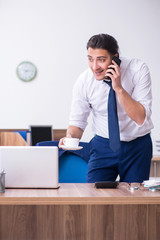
[[131, 84]]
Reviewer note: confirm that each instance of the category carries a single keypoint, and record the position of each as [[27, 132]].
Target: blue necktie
[[113, 126]]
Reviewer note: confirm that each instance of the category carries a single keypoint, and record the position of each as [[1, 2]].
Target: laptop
[[30, 166], [40, 134]]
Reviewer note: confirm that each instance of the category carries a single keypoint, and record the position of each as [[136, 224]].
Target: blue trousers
[[131, 162]]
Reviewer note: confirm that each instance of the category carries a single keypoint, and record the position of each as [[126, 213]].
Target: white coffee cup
[[71, 142]]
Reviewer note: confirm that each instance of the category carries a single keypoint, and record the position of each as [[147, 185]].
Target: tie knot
[[108, 82]]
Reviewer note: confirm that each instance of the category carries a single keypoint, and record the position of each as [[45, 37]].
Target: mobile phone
[[118, 61], [107, 184]]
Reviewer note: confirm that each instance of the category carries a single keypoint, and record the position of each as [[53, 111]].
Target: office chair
[[23, 134], [72, 168]]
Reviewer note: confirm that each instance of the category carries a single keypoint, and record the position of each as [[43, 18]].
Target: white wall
[[53, 35]]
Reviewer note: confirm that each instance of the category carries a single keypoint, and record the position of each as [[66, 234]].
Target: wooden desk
[[79, 212]]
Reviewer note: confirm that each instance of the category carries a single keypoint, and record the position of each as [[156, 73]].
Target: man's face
[[99, 60]]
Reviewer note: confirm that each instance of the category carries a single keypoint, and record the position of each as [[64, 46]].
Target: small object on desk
[[154, 189], [134, 186], [151, 183], [70, 148], [2, 181], [106, 184]]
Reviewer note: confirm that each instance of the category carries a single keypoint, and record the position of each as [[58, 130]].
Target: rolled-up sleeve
[[143, 90], [80, 107]]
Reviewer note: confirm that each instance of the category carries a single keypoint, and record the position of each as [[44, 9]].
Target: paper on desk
[[151, 183]]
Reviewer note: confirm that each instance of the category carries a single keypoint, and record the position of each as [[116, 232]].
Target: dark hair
[[103, 41]]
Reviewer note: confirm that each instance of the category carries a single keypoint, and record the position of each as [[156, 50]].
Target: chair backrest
[[47, 143], [72, 168]]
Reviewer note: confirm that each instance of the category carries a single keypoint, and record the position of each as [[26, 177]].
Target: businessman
[[121, 144]]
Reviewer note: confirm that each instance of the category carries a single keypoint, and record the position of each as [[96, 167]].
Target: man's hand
[[114, 73], [72, 131], [61, 140], [134, 109]]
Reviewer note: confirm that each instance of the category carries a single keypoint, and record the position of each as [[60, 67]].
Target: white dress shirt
[[91, 95]]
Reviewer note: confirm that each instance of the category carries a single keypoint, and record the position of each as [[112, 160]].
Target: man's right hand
[[72, 131], [61, 142]]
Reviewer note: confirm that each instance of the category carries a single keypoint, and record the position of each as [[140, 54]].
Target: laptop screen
[[40, 134]]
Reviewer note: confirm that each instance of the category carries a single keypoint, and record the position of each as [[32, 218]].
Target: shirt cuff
[[146, 113], [78, 124]]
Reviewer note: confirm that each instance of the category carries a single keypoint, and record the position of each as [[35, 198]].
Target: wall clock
[[26, 71]]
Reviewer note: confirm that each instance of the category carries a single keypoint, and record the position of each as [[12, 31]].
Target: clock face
[[26, 71]]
